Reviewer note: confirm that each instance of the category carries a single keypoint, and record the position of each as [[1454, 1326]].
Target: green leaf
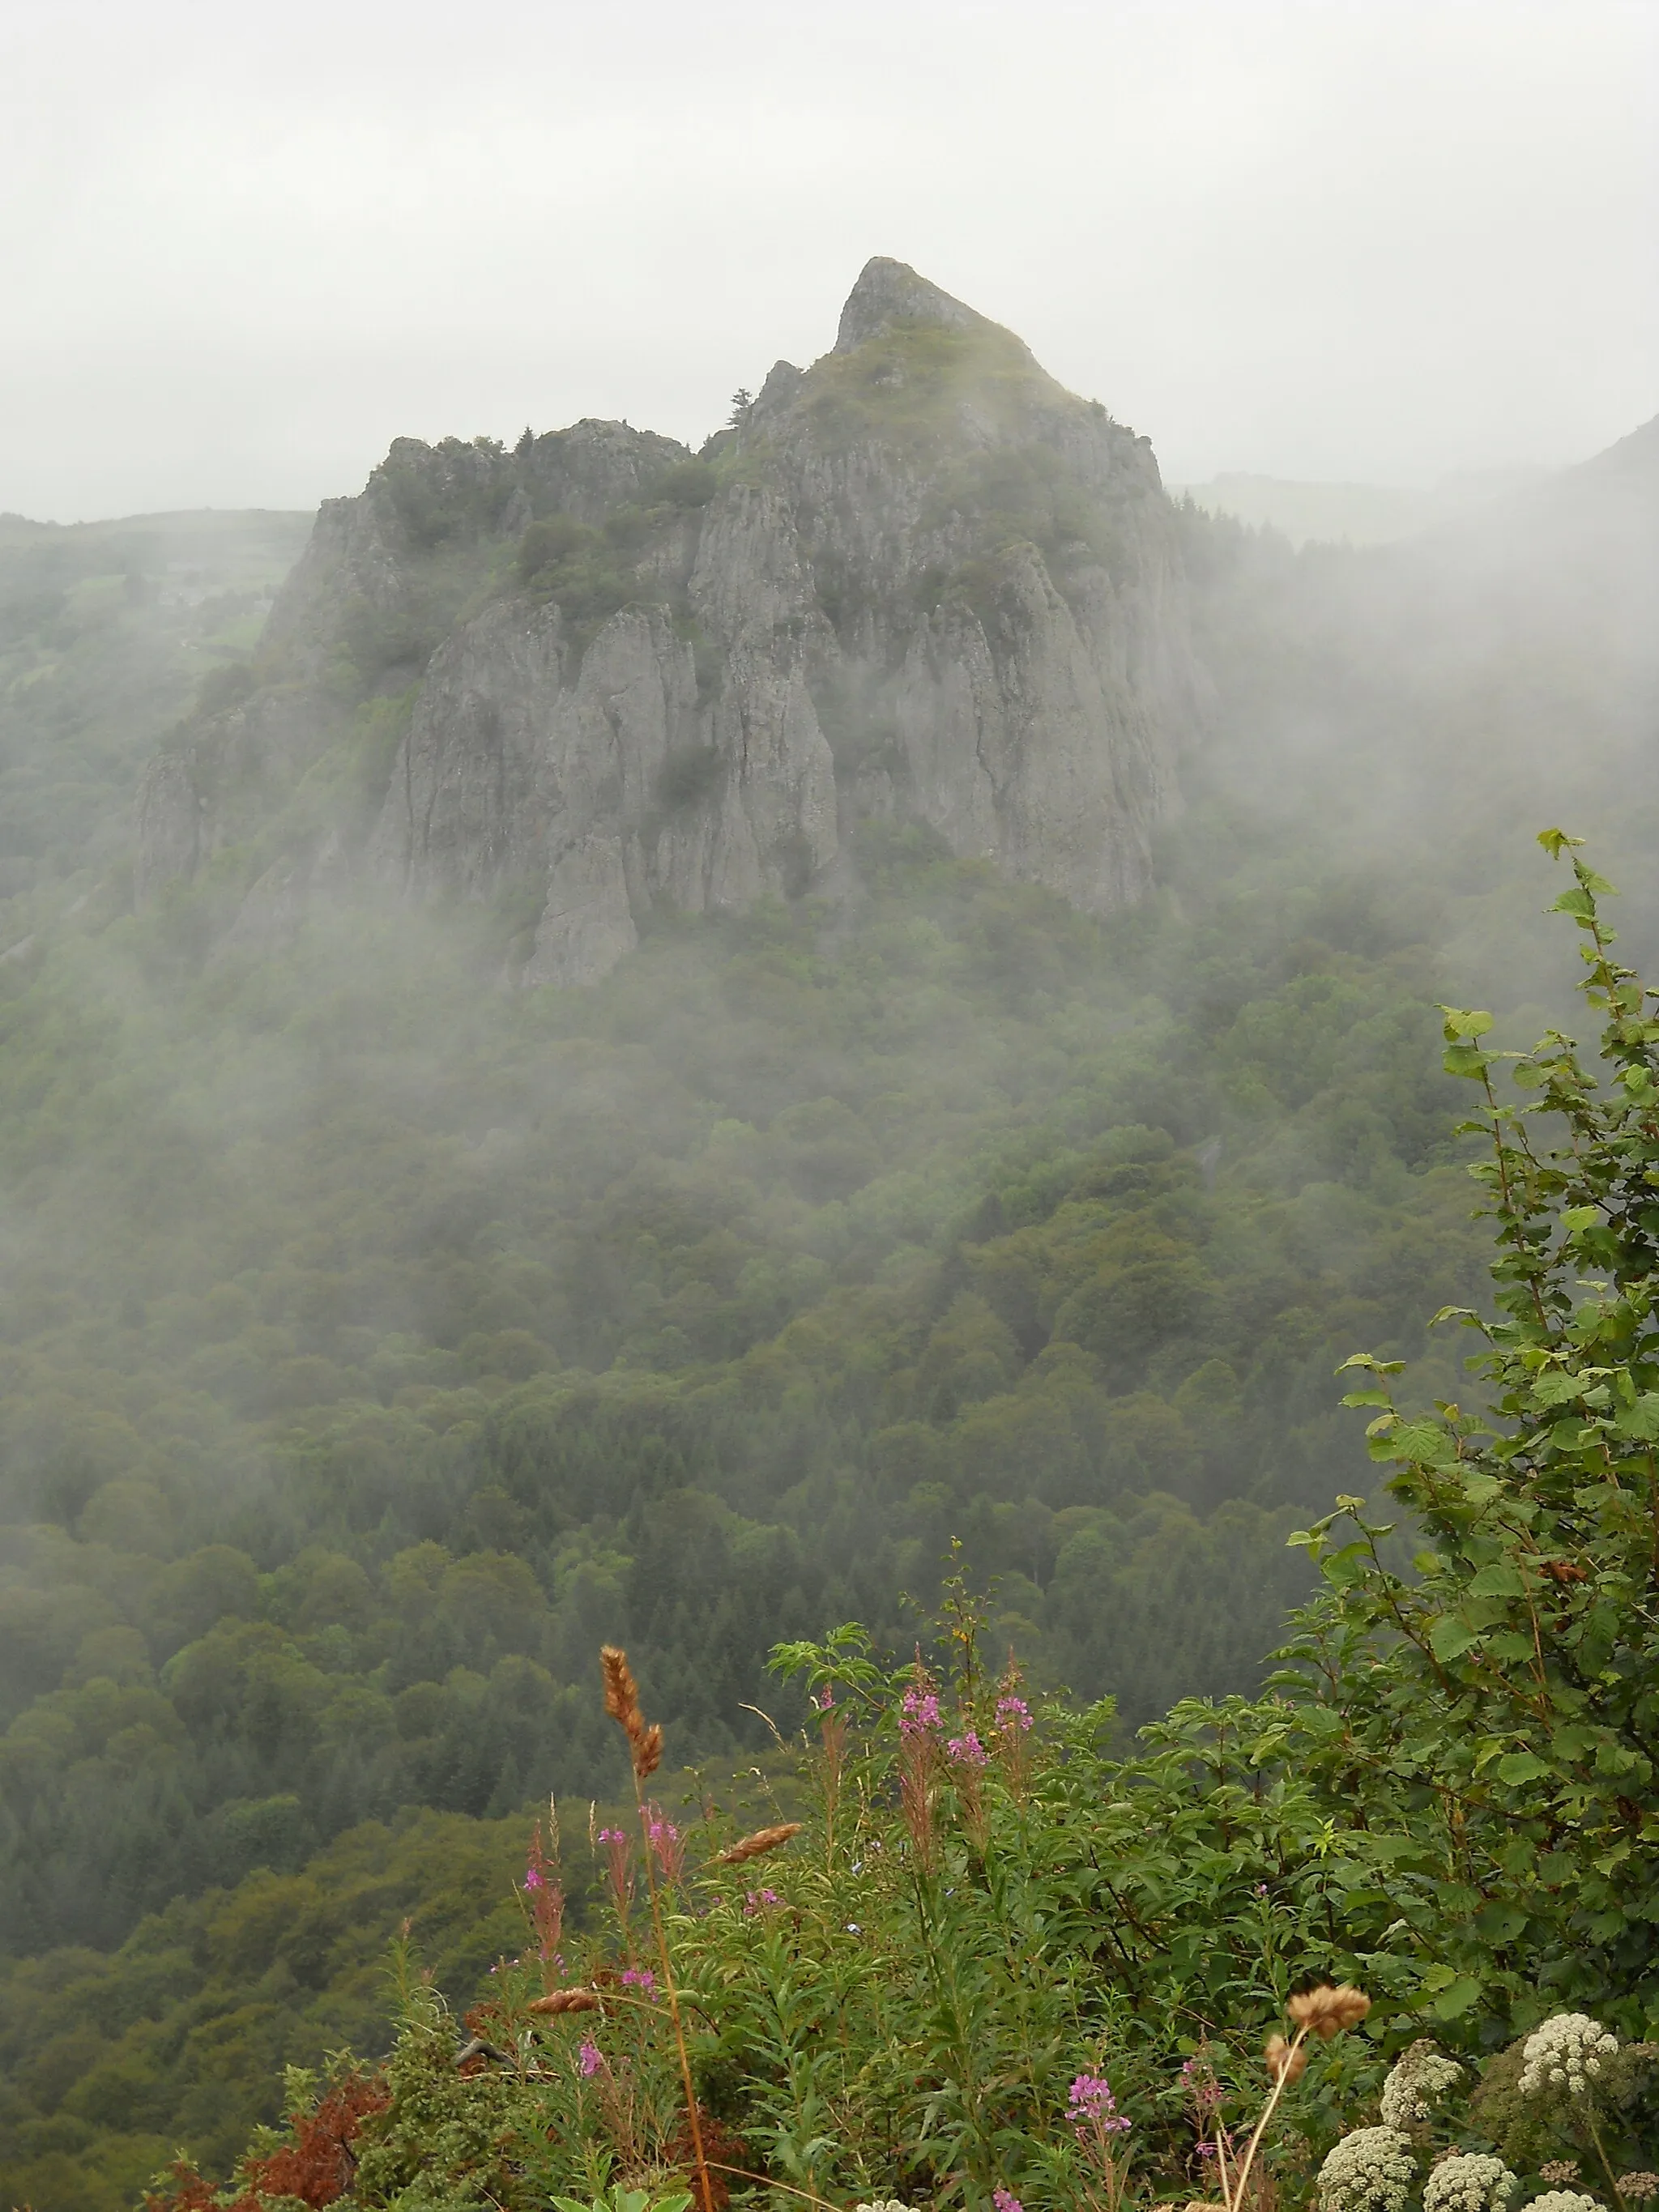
[[1458, 1997], [1518, 1766], [1500, 1578], [1451, 1636]]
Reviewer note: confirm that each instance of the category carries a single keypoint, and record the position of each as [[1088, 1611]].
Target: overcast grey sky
[[1375, 239]]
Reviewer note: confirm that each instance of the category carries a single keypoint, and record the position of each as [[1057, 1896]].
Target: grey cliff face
[[916, 579]]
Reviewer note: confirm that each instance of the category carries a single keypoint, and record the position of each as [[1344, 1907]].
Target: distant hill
[[1356, 513], [107, 630]]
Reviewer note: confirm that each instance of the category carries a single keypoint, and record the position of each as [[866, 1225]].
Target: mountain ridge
[[916, 580]]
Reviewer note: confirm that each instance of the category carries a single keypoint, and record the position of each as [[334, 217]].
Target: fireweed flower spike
[[667, 1845], [1005, 2201], [1093, 2108], [919, 1713]]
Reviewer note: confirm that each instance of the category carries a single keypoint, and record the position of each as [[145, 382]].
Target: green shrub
[[687, 484]]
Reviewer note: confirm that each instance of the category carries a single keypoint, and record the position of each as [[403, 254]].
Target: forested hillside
[[376, 1339]]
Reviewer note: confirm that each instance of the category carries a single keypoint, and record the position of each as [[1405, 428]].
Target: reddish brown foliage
[[722, 2150], [189, 2193], [317, 2166]]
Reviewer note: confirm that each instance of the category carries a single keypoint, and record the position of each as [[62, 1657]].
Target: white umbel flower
[[1469, 2183], [883, 2204], [1417, 2079], [1567, 2053], [1370, 2171], [1564, 2200]]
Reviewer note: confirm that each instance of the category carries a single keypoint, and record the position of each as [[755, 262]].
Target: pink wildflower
[[667, 1845], [588, 2058], [1093, 2107], [1005, 2201], [1014, 1713], [918, 1712], [967, 1749]]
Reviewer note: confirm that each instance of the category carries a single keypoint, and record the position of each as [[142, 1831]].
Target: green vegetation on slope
[[376, 1339], [106, 632], [1443, 1805], [377, 1344]]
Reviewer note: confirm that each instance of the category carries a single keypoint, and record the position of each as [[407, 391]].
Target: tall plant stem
[[673, 1989], [1600, 2152], [1235, 2197]]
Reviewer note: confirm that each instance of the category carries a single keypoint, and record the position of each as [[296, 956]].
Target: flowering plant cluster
[[1372, 2170], [1469, 2182], [1418, 2078], [1568, 2052]]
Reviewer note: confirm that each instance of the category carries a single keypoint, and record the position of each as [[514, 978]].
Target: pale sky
[[244, 248]]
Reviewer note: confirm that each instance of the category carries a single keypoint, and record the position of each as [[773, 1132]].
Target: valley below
[[606, 1044]]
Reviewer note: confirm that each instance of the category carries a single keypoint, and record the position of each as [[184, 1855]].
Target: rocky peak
[[918, 579], [890, 296]]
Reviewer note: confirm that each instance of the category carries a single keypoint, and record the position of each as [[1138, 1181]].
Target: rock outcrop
[[917, 579]]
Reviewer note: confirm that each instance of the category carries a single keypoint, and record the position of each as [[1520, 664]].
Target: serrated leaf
[[1463, 1022], [1451, 1636], [1497, 1579], [1517, 1766], [1458, 1997]]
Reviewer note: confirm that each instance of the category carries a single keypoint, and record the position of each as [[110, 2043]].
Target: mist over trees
[[375, 1340]]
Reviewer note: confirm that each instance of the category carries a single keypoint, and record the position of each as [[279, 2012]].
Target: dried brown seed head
[[763, 1840], [648, 1751], [557, 2000], [1325, 2012], [1287, 2062], [622, 1692]]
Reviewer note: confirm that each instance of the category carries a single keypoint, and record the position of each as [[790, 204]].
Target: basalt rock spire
[[918, 579]]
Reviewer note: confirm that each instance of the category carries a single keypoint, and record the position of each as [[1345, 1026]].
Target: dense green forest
[[1428, 1843], [376, 1341]]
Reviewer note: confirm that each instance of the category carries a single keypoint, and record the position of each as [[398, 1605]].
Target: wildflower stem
[[1600, 2152], [1234, 2198], [672, 1993]]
